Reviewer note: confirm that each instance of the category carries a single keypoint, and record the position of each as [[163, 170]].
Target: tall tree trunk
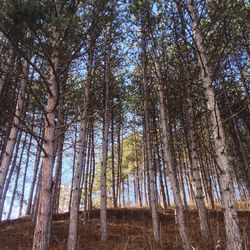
[[74, 161], [88, 167], [148, 142], [92, 179], [137, 190], [195, 168], [168, 157], [81, 151], [113, 161], [119, 163], [158, 162], [41, 238], [106, 121], [60, 134], [230, 211], [24, 176]]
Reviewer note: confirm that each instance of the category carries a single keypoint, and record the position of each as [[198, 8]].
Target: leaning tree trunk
[[17, 178], [196, 173], [13, 133], [41, 238], [230, 211], [12, 168]]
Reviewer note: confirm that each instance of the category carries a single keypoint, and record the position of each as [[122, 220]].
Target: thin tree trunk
[[138, 195], [119, 163], [113, 161], [36, 198], [57, 177], [17, 178], [76, 190], [73, 169], [106, 121], [145, 183], [93, 169], [158, 160], [87, 176], [168, 157], [13, 166], [123, 193], [152, 186], [24, 176], [165, 176], [5, 163], [128, 192], [34, 179], [60, 133], [195, 168], [75, 200]]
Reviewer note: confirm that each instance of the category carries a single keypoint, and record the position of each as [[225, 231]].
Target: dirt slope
[[128, 229]]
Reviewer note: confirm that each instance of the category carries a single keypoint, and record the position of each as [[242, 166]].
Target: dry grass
[[128, 229]]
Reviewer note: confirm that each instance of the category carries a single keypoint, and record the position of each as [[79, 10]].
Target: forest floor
[[128, 229]]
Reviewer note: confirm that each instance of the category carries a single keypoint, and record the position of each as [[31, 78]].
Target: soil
[[128, 229]]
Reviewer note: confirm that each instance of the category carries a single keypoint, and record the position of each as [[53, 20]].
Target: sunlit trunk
[[230, 211]]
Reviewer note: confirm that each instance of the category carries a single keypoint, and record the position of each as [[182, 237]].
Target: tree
[[230, 212]]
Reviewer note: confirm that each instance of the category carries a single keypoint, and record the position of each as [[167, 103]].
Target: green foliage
[[132, 153]]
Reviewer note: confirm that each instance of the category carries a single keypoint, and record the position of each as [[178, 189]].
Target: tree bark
[[91, 182], [81, 151], [106, 121], [148, 142], [168, 157], [34, 179], [113, 161], [230, 211], [195, 168], [25, 176], [41, 238], [14, 130], [13, 166], [18, 169]]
